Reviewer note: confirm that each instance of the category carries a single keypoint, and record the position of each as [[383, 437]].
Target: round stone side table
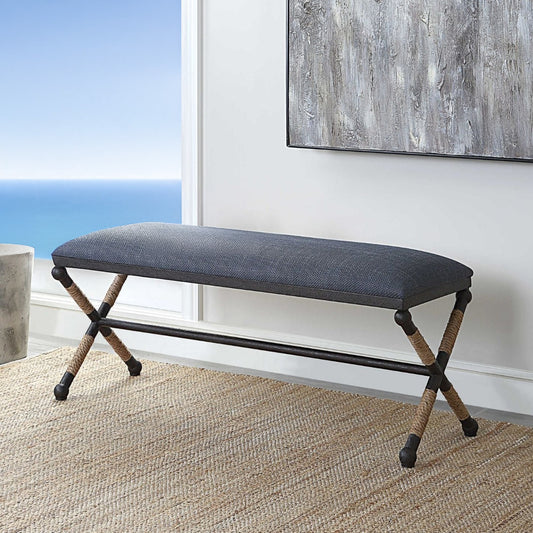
[[16, 265]]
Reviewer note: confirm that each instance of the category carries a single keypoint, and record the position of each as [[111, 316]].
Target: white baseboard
[[485, 386]]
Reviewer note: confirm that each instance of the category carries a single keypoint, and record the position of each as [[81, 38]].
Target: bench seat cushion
[[367, 274]]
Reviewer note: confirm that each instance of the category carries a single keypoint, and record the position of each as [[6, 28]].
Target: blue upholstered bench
[[340, 271]]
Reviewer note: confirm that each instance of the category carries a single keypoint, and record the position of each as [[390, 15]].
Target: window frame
[[191, 146]]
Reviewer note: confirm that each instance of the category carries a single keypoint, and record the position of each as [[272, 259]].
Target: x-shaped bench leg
[[437, 380], [61, 390]]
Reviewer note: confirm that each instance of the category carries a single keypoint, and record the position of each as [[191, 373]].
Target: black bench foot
[[408, 452], [61, 390], [470, 427], [134, 366]]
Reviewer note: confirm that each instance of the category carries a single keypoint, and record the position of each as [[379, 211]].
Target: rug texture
[[192, 450]]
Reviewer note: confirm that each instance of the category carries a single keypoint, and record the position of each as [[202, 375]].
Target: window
[[90, 115], [90, 127]]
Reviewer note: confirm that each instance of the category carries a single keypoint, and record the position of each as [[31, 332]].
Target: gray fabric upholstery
[[367, 274]]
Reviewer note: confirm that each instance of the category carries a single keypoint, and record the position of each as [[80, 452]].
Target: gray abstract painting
[[447, 77]]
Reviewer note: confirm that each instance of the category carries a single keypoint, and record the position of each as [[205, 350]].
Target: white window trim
[[191, 128]]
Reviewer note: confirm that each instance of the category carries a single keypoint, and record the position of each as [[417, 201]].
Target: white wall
[[478, 212]]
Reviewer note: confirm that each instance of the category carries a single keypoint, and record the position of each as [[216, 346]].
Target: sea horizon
[[45, 213]]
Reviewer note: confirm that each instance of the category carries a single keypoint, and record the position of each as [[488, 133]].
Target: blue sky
[[90, 89]]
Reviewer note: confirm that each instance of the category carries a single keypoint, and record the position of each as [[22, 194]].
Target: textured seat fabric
[[367, 274]]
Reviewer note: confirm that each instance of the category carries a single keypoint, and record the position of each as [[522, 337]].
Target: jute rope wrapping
[[114, 290], [421, 348], [80, 299], [423, 411], [457, 405], [451, 332], [80, 354], [118, 346]]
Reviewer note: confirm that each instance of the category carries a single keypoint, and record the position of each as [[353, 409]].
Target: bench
[[340, 271]]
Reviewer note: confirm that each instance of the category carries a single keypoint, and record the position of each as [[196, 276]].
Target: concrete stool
[[16, 265]]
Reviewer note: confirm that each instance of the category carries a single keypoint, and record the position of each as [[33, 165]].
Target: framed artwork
[[431, 77]]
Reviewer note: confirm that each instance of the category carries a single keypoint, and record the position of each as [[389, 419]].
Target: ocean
[[46, 213]]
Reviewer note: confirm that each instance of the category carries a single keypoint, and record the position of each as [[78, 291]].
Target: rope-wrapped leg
[[118, 346], [120, 349], [62, 388], [438, 380], [112, 293], [469, 425], [418, 426]]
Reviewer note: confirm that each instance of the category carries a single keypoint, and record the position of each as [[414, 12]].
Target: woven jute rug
[[192, 450]]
